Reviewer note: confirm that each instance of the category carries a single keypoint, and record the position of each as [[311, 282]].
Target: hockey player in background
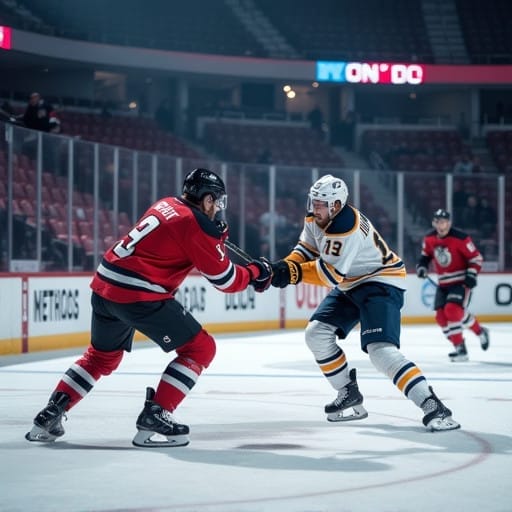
[[340, 248], [457, 262], [133, 289]]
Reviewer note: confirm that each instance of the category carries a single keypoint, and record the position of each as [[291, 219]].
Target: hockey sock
[[181, 374], [335, 369], [81, 376], [176, 382], [406, 376], [332, 361], [454, 314]]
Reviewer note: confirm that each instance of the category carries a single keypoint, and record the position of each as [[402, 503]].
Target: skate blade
[[358, 413], [442, 424], [459, 359], [39, 435], [147, 439]]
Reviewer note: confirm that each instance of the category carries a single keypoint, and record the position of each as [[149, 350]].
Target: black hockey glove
[[421, 272], [261, 274], [286, 272], [222, 226], [470, 280]]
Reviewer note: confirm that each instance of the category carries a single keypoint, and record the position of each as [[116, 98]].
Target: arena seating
[[486, 30], [131, 132], [284, 144], [325, 29], [54, 195], [341, 30], [191, 26], [500, 146], [415, 150]]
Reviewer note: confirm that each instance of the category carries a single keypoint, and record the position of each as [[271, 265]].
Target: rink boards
[[48, 311]]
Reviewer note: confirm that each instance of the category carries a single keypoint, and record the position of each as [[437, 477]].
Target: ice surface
[[259, 438]]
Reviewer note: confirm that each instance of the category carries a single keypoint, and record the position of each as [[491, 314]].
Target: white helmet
[[328, 189]]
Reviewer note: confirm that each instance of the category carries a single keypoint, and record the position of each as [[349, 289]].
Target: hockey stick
[[239, 253], [431, 281]]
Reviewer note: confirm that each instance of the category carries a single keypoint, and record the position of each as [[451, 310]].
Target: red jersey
[[451, 256], [153, 259]]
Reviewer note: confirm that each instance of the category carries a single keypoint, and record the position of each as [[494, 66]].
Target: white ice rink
[[259, 438]]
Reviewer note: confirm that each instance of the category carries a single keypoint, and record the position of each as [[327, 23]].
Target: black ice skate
[[349, 397], [437, 417], [484, 338], [158, 422], [460, 354], [48, 423]]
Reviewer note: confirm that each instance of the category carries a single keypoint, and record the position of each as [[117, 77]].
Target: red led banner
[[5, 37], [410, 74], [439, 74]]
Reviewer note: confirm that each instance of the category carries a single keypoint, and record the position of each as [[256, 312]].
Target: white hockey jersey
[[347, 252]]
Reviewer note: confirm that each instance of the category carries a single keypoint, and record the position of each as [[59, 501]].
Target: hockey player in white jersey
[[340, 248]]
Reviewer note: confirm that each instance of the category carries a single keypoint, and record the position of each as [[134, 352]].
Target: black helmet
[[441, 214], [200, 182]]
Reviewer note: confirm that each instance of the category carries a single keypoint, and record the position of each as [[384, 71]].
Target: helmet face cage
[[201, 182], [328, 189]]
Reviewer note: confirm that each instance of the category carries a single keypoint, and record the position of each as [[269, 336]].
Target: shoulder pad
[[344, 222], [457, 233], [205, 223]]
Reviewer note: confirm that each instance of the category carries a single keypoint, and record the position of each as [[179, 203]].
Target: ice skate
[[48, 423], [484, 338], [349, 397], [460, 354], [158, 422], [437, 417]]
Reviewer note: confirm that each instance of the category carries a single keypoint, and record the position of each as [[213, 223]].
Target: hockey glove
[[470, 280], [286, 272], [261, 274], [222, 226], [421, 272]]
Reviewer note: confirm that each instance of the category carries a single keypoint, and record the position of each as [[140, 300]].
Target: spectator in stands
[[38, 113], [463, 165]]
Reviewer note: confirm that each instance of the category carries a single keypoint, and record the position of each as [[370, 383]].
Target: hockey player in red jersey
[[457, 262], [133, 289]]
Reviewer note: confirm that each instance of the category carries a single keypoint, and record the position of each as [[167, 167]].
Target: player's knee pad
[[200, 349], [453, 312], [99, 362], [386, 358], [441, 317], [321, 339]]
